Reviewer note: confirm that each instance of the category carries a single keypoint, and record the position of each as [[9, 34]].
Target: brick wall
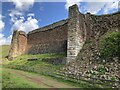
[[98, 25], [51, 40], [22, 42], [76, 33], [18, 44]]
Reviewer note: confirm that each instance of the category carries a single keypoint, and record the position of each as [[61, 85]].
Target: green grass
[[101, 70], [4, 50], [22, 63], [38, 66], [19, 79], [109, 45], [10, 80]]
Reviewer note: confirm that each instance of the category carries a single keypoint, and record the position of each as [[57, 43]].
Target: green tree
[[110, 45]]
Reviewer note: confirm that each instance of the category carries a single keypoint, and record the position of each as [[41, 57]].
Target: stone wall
[[50, 39], [76, 33], [18, 44], [22, 42], [98, 25]]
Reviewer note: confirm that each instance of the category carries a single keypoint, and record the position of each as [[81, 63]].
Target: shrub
[[110, 45]]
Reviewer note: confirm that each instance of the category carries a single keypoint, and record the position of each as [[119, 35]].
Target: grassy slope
[[38, 66], [32, 66], [35, 66], [21, 63], [20, 79], [11, 80], [5, 50]]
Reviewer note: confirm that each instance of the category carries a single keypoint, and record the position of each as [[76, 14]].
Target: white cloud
[[3, 39], [93, 6], [14, 15], [2, 24], [25, 25], [31, 14], [111, 5], [23, 5], [18, 18], [20, 7]]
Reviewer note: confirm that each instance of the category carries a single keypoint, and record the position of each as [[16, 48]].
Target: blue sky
[[27, 16]]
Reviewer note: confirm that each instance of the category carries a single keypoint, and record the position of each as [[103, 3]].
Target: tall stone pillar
[[13, 52], [18, 44], [74, 43]]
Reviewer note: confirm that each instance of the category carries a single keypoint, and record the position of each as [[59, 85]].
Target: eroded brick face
[[49, 41], [18, 44], [22, 43]]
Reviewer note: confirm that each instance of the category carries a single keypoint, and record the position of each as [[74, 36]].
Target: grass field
[[21, 62], [45, 69], [38, 66], [21, 79], [11, 79]]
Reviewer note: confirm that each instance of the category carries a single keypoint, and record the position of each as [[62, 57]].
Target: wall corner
[[18, 44], [75, 37]]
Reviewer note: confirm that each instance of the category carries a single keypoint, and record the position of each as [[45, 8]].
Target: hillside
[[5, 50], [28, 80], [36, 66], [92, 64]]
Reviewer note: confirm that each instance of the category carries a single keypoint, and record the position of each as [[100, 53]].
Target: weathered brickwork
[[22, 42], [76, 33], [18, 44], [98, 25], [64, 36], [53, 40], [104, 23]]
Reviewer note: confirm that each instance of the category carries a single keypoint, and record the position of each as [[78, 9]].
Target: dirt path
[[42, 81]]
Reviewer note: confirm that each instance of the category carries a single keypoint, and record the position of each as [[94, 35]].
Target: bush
[[110, 45]]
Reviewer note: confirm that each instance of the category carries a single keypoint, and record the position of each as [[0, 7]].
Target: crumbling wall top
[[73, 11], [51, 26], [22, 33], [115, 13]]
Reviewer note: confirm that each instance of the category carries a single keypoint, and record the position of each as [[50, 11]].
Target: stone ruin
[[66, 36]]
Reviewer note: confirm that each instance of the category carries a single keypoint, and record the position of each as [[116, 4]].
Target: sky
[[33, 14]]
